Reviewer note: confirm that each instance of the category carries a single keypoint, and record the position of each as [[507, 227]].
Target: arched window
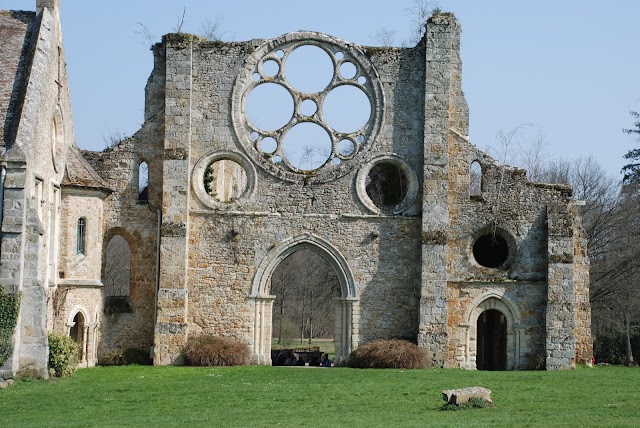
[[143, 182], [475, 179], [81, 236], [117, 272]]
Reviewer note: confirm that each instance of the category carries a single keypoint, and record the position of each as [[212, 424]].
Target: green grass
[[315, 397]]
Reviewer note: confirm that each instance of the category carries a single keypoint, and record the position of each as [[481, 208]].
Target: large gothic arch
[[261, 301]]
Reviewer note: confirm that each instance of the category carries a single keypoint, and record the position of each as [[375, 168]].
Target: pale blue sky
[[569, 67]]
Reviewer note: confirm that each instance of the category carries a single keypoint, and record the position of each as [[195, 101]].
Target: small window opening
[[81, 236], [475, 179], [143, 182], [387, 185], [491, 250]]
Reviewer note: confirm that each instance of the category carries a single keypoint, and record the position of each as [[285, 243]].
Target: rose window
[[307, 106]]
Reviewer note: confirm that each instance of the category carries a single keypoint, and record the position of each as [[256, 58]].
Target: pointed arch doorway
[[261, 301]]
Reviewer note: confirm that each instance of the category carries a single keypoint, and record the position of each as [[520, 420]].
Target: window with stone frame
[[81, 236], [475, 180], [143, 182]]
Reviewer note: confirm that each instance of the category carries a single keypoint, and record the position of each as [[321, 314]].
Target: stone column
[[582, 330], [260, 336], [445, 108], [171, 327], [85, 344], [560, 315], [21, 241]]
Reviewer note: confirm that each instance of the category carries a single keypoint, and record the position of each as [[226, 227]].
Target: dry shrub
[[215, 351], [388, 354]]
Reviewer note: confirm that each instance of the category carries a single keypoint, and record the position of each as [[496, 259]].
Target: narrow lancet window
[[81, 238], [143, 182], [475, 179]]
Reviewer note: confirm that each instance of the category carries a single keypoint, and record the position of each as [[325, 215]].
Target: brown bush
[[215, 351], [388, 354]]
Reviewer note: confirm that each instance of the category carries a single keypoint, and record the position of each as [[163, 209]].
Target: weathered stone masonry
[[494, 277], [407, 271]]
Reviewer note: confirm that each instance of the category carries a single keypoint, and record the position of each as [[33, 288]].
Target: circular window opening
[[309, 69], [307, 146], [347, 109], [387, 185], [225, 180], [270, 68], [269, 106], [491, 250]]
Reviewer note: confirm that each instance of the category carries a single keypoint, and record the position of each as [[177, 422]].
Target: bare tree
[[532, 156], [181, 20], [385, 37], [420, 13], [113, 138], [304, 285], [211, 29], [611, 222], [615, 269], [148, 38]]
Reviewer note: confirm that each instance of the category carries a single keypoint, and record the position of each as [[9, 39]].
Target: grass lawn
[[314, 397]]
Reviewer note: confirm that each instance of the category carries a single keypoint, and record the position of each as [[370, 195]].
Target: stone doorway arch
[[79, 333], [503, 315], [261, 301]]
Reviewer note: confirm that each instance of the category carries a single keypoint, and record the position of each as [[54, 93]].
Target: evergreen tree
[[631, 171]]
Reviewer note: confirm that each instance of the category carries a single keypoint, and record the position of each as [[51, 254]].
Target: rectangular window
[[80, 247]]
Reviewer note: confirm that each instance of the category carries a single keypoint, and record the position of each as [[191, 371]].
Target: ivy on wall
[[9, 309]]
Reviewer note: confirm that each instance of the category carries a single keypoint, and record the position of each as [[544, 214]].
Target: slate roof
[[16, 28], [78, 172]]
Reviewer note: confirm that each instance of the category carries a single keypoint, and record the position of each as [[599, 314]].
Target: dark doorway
[[77, 333], [492, 341]]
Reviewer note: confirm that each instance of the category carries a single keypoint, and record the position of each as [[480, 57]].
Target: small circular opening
[[491, 250], [270, 68], [387, 185]]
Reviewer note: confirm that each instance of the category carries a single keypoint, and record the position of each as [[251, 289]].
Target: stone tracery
[[314, 115]]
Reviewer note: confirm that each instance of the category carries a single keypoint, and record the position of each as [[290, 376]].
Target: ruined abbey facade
[[430, 238]]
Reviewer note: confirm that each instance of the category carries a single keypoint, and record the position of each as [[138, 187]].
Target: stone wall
[[407, 270]]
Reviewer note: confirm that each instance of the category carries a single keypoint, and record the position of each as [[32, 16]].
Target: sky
[[568, 70]]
